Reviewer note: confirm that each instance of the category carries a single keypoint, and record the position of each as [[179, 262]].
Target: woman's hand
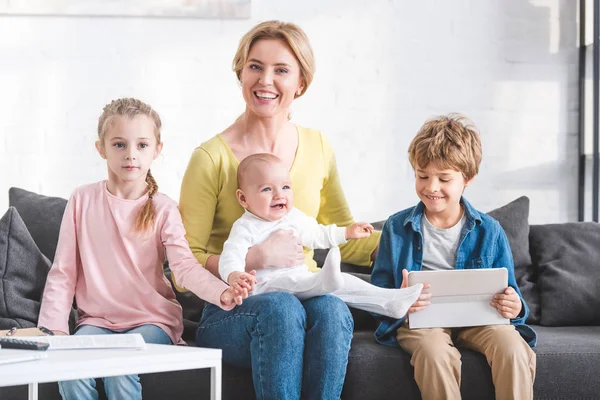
[[508, 303], [424, 299], [282, 249]]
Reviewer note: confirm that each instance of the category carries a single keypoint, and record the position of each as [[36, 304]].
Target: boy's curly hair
[[451, 141]]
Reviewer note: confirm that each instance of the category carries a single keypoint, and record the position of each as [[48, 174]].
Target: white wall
[[383, 67]]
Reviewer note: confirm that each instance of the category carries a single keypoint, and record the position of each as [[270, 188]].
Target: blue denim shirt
[[483, 244]]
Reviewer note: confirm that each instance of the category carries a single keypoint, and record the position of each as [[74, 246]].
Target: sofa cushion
[[42, 216], [23, 271], [514, 219], [376, 371], [568, 361], [567, 257]]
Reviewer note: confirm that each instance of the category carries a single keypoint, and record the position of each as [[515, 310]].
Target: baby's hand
[[358, 230], [231, 296], [508, 303], [242, 282], [424, 298]]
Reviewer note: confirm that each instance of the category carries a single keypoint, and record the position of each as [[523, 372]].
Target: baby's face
[[268, 191]]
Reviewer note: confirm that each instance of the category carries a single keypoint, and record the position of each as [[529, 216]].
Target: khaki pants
[[437, 362]]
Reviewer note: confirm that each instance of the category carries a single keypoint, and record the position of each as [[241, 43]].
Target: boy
[[265, 191], [444, 231]]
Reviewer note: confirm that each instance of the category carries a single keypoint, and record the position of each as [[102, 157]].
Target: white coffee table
[[61, 365]]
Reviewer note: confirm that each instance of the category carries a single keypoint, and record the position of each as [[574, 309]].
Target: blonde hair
[[289, 33], [452, 141], [251, 162], [130, 108]]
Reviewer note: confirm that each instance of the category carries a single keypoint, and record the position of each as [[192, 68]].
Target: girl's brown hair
[[290, 34], [451, 141], [130, 108]]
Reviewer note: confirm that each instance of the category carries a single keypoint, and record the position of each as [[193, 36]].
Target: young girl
[[113, 240]]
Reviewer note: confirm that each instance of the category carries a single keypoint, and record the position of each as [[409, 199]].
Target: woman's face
[[271, 78]]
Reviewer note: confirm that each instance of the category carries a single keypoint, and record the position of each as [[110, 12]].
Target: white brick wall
[[383, 67]]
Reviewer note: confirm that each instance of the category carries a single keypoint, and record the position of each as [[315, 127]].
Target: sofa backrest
[[557, 266], [566, 269]]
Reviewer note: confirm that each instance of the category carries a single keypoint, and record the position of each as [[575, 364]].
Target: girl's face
[[130, 145], [270, 79]]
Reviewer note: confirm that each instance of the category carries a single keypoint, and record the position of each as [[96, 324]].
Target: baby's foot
[[398, 306]]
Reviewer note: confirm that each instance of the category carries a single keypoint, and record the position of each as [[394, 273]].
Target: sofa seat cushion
[[376, 371], [568, 361]]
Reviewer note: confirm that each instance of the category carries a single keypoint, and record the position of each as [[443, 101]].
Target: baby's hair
[[130, 108], [251, 162], [451, 141]]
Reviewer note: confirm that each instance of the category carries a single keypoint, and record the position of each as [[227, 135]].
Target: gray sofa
[[557, 267]]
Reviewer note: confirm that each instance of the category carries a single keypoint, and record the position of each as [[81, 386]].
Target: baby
[[265, 192]]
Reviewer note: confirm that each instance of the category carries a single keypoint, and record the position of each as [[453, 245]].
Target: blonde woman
[[292, 346]]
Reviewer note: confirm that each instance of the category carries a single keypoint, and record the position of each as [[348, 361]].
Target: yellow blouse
[[209, 206]]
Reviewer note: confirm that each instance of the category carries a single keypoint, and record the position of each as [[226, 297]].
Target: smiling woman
[[281, 338]]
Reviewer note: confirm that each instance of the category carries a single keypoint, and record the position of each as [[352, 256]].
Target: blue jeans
[[116, 387], [293, 347]]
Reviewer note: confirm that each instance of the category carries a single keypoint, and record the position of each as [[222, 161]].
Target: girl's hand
[[424, 299], [60, 333], [359, 230], [231, 296], [508, 303], [242, 282], [280, 250]]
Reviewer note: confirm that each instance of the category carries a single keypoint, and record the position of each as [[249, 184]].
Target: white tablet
[[459, 297]]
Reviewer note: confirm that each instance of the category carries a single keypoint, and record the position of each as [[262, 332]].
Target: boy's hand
[[231, 296], [242, 282], [359, 230], [424, 299], [508, 303]]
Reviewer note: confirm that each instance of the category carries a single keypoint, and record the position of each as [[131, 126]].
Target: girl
[[112, 245]]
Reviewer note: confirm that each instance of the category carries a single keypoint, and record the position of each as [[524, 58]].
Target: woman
[[291, 346]]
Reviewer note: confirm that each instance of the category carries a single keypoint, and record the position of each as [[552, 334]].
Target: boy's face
[[267, 191], [440, 190]]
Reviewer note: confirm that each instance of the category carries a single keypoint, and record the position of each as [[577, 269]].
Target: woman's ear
[[100, 149], [241, 198], [300, 89]]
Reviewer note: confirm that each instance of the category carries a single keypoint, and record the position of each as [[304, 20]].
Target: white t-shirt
[[440, 245]]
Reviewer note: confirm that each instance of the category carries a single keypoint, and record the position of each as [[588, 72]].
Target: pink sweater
[[115, 273]]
